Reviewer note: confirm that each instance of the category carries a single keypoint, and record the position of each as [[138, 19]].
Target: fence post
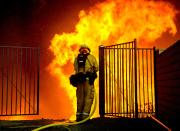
[[38, 69], [101, 82], [135, 78], [156, 52]]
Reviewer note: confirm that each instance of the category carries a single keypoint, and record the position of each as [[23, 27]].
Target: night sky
[[35, 22]]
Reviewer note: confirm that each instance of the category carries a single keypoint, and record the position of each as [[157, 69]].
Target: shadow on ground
[[95, 124]]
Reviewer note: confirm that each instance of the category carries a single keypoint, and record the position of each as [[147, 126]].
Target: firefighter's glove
[[92, 76]]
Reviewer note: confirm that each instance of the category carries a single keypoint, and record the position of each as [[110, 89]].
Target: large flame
[[109, 22]]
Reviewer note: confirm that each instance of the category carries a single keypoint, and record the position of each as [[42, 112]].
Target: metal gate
[[19, 81], [126, 80]]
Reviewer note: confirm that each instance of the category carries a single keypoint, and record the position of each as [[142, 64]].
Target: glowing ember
[[109, 22]]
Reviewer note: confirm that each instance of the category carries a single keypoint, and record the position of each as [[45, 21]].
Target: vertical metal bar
[[115, 72], [16, 80], [123, 77], [7, 77], [106, 91], [112, 87], [117, 81], [114, 81], [30, 80], [2, 81], [106, 79], [12, 59], [135, 78], [109, 75], [126, 83], [112, 100], [128, 80], [147, 78], [38, 86], [21, 80], [132, 81], [118, 94], [151, 68], [156, 53], [109, 87], [116, 85], [34, 81], [101, 82], [139, 76], [25, 73], [139, 81], [116, 64], [120, 78], [143, 79], [130, 84], [111, 80]]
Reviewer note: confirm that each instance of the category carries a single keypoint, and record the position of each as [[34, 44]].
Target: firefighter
[[85, 66]]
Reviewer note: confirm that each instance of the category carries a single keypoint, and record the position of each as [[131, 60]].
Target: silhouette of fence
[[126, 80], [19, 80]]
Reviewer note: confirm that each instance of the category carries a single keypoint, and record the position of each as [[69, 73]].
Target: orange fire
[[109, 22]]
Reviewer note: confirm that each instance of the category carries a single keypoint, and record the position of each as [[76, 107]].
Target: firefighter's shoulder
[[90, 56]]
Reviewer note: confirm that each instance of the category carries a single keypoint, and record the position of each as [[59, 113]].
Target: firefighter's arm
[[95, 64]]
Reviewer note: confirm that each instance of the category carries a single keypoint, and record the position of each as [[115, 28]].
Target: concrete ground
[[95, 124]]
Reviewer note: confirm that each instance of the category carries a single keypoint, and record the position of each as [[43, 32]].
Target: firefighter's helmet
[[84, 46]]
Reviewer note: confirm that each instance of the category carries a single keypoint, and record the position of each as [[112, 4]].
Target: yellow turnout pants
[[85, 96]]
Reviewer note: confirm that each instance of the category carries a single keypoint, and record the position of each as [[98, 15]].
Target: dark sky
[[36, 21]]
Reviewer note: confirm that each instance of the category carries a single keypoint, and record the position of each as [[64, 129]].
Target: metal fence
[[126, 80], [19, 81]]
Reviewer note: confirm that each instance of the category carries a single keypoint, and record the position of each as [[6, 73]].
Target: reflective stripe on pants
[[85, 96]]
